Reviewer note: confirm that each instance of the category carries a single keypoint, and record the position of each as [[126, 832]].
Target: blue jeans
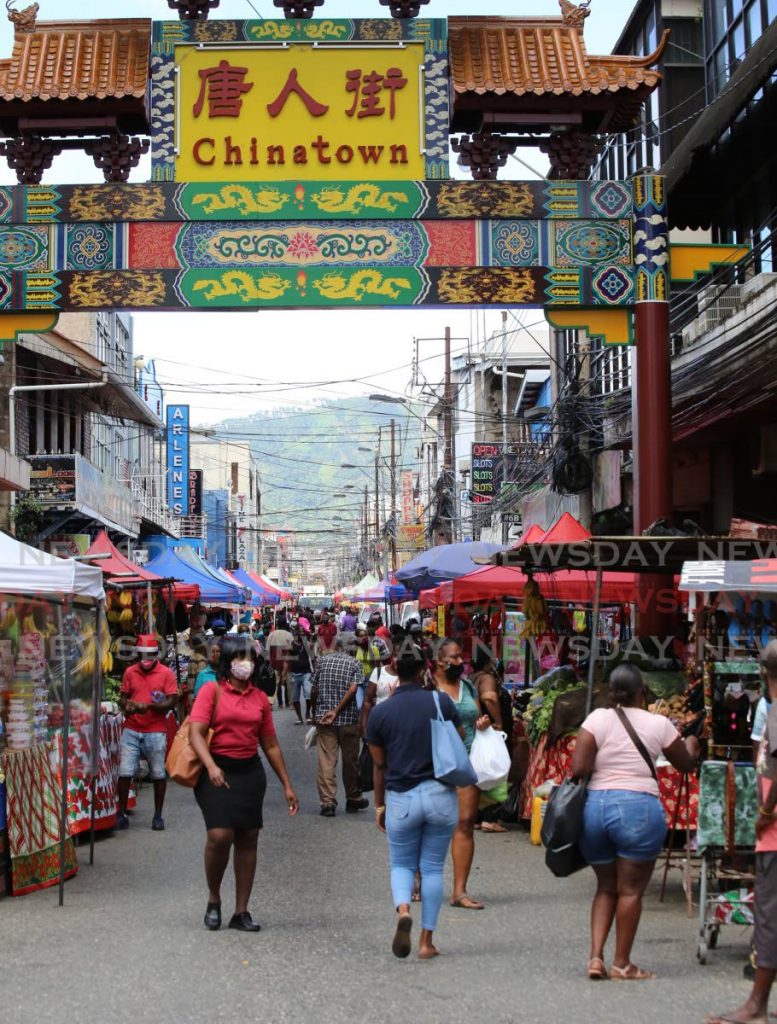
[[622, 823], [419, 825]]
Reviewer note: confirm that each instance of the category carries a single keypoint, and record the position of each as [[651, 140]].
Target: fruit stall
[[51, 624]]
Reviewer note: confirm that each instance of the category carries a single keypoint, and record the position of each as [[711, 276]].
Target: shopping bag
[[562, 828], [311, 737], [489, 757], [366, 783], [449, 755], [512, 806]]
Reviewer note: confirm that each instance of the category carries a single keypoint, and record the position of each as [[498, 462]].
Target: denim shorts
[[151, 745], [622, 823], [301, 685]]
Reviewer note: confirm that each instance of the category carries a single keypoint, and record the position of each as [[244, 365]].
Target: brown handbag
[[183, 765]]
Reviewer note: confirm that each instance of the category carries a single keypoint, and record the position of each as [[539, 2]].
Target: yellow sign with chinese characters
[[299, 112]]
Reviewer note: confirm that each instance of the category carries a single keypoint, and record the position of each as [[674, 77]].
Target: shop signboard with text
[[71, 482], [493, 466], [306, 100], [178, 459]]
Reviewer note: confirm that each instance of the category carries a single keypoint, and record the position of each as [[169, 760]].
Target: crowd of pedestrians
[[364, 687]]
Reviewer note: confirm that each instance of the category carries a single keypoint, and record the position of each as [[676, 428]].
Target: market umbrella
[[444, 562]]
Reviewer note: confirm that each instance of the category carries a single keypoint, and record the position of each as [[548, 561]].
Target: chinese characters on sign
[[343, 109], [195, 492], [178, 459]]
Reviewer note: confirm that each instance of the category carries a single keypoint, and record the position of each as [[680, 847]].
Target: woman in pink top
[[624, 823]]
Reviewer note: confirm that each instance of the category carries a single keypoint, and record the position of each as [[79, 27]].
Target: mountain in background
[[300, 451]]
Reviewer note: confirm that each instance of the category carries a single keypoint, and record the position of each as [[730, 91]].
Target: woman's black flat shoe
[[213, 917], [244, 923]]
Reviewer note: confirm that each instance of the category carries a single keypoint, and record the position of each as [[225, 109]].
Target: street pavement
[[129, 946]]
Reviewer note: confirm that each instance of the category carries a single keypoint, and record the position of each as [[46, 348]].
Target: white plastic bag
[[490, 758], [311, 737]]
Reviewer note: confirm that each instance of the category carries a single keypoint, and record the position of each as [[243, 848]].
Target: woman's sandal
[[470, 904], [630, 973], [401, 945], [596, 969], [493, 826]]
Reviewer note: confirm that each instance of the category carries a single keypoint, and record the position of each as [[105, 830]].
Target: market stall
[[51, 622]]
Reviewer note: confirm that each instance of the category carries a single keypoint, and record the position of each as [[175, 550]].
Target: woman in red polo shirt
[[231, 788]]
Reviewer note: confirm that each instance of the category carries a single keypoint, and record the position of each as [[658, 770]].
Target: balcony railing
[[154, 510]]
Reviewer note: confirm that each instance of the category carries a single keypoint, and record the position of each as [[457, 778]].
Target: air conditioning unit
[[717, 305], [765, 460]]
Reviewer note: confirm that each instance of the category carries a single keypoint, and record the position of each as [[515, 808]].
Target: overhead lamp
[[390, 399]]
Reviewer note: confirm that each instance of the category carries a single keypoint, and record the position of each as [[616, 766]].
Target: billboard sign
[[494, 465], [195, 492], [178, 459]]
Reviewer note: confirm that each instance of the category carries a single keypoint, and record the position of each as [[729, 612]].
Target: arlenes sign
[[266, 113], [178, 459]]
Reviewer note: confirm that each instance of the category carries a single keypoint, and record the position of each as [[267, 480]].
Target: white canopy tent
[[25, 570]]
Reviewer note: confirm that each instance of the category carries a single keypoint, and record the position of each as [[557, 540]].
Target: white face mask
[[241, 670]]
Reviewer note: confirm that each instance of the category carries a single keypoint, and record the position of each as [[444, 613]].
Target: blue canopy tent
[[237, 594], [261, 595], [444, 562], [212, 591]]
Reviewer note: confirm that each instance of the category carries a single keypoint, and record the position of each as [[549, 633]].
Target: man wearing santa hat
[[148, 691]]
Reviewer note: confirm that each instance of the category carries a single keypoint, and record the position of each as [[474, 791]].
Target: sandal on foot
[[596, 969], [466, 902], [630, 973], [723, 1018], [400, 947], [492, 826]]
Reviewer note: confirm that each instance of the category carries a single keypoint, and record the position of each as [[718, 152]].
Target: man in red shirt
[[326, 634], [148, 691]]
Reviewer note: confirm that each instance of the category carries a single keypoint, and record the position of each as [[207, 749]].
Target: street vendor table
[[554, 763], [79, 789], [33, 800]]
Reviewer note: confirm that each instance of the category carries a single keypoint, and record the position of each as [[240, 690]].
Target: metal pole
[[149, 612], [62, 609], [393, 499], [97, 691], [594, 655]]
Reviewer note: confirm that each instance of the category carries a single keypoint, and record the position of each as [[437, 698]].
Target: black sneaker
[[158, 824], [122, 822], [352, 806], [328, 811]]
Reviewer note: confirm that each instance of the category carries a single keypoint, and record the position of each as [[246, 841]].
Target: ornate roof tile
[[79, 60]]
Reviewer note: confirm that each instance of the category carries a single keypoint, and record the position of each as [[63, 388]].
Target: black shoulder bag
[[637, 741]]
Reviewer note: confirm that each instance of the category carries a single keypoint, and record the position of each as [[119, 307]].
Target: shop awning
[[533, 535], [236, 592], [212, 591], [268, 584], [25, 570], [118, 569]]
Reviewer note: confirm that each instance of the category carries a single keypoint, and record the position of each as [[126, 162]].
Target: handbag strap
[[437, 705], [215, 705], [637, 741]]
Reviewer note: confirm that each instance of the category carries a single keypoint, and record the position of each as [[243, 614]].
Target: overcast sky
[[292, 357]]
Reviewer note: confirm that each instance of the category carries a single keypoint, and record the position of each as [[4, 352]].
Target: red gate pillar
[[652, 389]]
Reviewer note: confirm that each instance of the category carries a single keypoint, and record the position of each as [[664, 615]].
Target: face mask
[[454, 672], [241, 670], [147, 664]]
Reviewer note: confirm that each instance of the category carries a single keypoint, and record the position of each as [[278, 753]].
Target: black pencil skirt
[[240, 806]]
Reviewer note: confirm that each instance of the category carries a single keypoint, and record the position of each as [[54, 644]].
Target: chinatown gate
[[303, 162]]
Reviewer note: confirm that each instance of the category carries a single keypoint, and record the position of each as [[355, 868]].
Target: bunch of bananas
[[535, 609], [29, 625], [8, 621]]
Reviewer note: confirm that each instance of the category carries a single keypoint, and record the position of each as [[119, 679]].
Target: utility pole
[[393, 499], [377, 509], [449, 533], [366, 524], [505, 527]]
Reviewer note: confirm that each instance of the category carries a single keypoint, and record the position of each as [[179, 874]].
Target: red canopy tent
[[532, 536], [493, 583], [566, 530], [266, 584], [119, 569]]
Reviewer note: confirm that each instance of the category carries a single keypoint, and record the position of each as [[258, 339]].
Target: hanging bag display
[[183, 765], [449, 755], [562, 828]]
